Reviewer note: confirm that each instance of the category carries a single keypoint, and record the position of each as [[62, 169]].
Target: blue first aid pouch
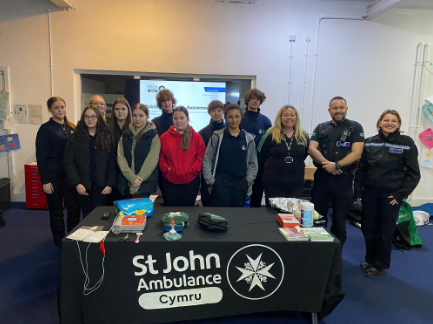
[[139, 206]]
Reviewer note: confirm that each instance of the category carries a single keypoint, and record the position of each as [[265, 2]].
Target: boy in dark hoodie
[[166, 102], [216, 112], [255, 123]]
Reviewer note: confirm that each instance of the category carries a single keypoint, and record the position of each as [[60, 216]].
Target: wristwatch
[[337, 166]]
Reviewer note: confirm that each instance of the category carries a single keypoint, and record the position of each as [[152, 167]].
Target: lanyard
[[289, 146]]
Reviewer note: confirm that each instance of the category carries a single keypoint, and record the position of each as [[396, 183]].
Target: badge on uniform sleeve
[[343, 144], [395, 150]]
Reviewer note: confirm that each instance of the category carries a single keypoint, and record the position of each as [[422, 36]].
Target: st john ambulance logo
[[255, 272]]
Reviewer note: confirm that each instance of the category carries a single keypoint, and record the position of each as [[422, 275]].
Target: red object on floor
[[35, 197]]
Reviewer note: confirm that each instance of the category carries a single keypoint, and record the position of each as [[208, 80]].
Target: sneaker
[[374, 272], [365, 265]]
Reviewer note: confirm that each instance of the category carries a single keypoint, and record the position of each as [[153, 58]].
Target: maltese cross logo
[[255, 272]]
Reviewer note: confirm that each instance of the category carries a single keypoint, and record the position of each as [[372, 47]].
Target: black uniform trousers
[[62, 192], [274, 189], [115, 194], [206, 197], [257, 195], [337, 190], [161, 184], [378, 222], [93, 200], [178, 195], [229, 190]]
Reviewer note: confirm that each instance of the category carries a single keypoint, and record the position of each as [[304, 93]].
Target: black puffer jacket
[[389, 163], [77, 163]]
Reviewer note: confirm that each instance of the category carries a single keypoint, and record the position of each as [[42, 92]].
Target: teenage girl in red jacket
[[180, 160]]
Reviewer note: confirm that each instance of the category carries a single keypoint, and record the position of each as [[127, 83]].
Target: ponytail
[[186, 138], [186, 135], [70, 124]]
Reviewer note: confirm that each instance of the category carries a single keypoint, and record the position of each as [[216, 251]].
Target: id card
[[344, 144], [288, 159], [394, 150]]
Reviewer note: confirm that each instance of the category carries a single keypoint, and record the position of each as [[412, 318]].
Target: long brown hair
[[144, 109], [113, 125], [51, 101], [103, 137], [186, 135]]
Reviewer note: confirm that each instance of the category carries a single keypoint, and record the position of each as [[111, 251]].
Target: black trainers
[[365, 265], [374, 272]]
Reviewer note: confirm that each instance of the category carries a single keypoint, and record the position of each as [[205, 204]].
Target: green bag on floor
[[406, 234]]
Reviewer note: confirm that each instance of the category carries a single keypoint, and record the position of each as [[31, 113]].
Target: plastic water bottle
[[307, 211]]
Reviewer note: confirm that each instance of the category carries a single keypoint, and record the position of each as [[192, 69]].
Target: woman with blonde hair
[[99, 102], [282, 151]]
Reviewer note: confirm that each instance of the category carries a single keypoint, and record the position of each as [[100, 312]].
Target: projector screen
[[194, 96]]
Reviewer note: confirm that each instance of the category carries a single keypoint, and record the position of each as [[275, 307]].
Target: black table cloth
[[251, 268]]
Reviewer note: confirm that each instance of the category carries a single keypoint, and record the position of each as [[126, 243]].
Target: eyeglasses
[[90, 117]]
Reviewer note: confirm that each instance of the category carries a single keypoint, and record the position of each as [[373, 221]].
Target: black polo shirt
[[329, 146], [232, 154]]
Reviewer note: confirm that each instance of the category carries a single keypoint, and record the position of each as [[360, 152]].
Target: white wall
[[368, 62], [371, 63]]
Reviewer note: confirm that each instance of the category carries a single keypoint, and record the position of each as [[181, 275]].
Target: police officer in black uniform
[[335, 147], [388, 172]]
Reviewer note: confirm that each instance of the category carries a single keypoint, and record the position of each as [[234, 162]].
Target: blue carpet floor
[[29, 268]]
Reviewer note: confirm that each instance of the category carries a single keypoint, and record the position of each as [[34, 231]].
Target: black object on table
[[251, 268]]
